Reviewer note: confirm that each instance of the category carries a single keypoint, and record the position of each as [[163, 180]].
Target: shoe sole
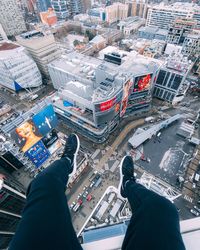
[[75, 156], [121, 178]]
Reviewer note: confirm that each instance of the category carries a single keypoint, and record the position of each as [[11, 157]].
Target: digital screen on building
[[38, 154], [50, 138], [54, 147], [26, 135], [107, 105], [126, 93], [142, 83], [45, 120]]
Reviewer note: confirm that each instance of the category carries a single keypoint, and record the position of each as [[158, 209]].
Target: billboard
[[45, 120], [142, 83], [50, 138], [126, 93], [26, 135], [38, 154], [54, 147]]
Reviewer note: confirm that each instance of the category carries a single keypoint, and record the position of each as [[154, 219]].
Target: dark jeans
[[46, 221], [155, 222]]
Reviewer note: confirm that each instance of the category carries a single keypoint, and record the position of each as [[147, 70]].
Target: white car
[[194, 212], [198, 209]]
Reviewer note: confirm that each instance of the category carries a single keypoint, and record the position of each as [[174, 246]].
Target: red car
[[89, 197]]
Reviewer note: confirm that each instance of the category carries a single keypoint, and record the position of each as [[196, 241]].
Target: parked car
[[198, 209], [194, 212]]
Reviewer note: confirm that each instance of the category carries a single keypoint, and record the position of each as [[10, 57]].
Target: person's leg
[[46, 220], [154, 224]]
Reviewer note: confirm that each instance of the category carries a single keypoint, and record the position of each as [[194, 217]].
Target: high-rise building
[[12, 202], [116, 12], [76, 7], [11, 18], [137, 8], [43, 5], [163, 16], [191, 44], [42, 48], [61, 8], [17, 69]]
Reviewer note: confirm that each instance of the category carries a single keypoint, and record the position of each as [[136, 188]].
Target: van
[[33, 97]]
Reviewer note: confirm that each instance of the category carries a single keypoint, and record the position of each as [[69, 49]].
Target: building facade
[[137, 8], [61, 8], [11, 18], [171, 84], [43, 5], [151, 33], [180, 29], [191, 45], [130, 25], [42, 48], [116, 12], [163, 16], [48, 17], [12, 203], [17, 69], [76, 7]]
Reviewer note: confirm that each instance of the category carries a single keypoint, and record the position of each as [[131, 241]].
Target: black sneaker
[[126, 174], [71, 150]]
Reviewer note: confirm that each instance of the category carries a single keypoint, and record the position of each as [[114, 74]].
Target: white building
[[42, 48], [17, 69], [11, 18], [130, 25], [116, 12], [2, 34], [163, 16]]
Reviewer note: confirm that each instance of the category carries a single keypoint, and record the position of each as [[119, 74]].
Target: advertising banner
[[26, 135], [50, 138], [142, 83], [126, 93], [38, 154], [45, 120], [54, 147]]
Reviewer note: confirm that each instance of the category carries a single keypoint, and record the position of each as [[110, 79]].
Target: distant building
[[163, 15], [171, 84], [155, 49], [116, 12], [137, 8], [17, 69], [76, 7], [180, 29], [42, 48], [130, 25], [152, 33], [98, 42], [61, 8], [49, 17], [43, 5], [2, 34], [191, 44], [86, 5], [11, 18]]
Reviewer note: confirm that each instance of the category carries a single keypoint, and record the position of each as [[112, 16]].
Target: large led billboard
[[45, 120], [126, 93], [26, 135], [38, 154], [142, 83]]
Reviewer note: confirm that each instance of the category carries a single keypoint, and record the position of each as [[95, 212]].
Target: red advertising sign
[[107, 105]]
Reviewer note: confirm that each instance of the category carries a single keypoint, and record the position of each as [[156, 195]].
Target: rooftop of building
[[131, 21], [31, 34], [180, 6], [8, 46], [153, 30]]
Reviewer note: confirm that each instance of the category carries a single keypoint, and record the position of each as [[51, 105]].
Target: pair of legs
[[46, 221]]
